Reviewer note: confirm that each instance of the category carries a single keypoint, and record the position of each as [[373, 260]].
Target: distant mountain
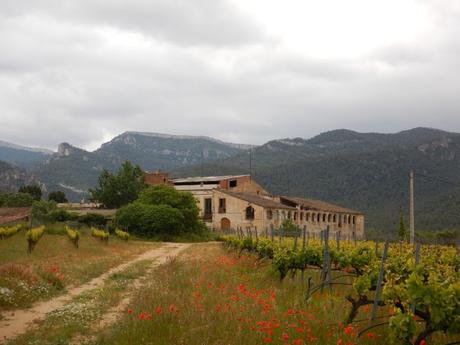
[[11, 178], [20, 155], [74, 170], [364, 171]]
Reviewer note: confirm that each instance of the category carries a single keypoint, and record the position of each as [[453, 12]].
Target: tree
[[57, 196], [161, 210], [116, 190], [16, 200], [47, 211], [149, 220], [183, 201], [34, 190], [402, 231]]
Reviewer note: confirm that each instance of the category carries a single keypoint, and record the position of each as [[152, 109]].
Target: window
[[335, 218], [222, 206], [208, 209], [324, 217], [250, 213], [232, 183], [354, 219], [319, 217], [295, 215], [269, 214], [301, 216]]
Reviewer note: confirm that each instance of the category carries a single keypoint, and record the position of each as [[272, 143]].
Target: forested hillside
[[364, 171], [74, 170]]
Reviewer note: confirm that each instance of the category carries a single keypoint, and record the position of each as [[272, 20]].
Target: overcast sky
[[83, 71]]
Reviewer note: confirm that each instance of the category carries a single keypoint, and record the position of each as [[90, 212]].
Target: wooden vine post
[[378, 289]]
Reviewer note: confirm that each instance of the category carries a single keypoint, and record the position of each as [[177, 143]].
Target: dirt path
[[17, 322]]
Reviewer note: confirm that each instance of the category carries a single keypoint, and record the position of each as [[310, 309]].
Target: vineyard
[[413, 292], [38, 263]]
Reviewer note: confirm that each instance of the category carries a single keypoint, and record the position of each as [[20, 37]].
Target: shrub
[[33, 190], [290, 228], [93, 220], [47, 211], [16, 200], [57, 196], [182, 201], [150, 220], [73, 235], [100, 235], [33, 236], [122, 234]]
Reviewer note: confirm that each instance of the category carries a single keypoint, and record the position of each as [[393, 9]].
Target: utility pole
[[411, 207]]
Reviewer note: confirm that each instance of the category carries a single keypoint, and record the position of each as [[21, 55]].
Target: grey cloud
[[61, 79], [185, 22]]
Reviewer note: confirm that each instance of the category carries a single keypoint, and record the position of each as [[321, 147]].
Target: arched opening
[[318, 219], [225, 224], [295, 215], [313, 217], [329, 217], [335, 218], [354, 219], [250, 213], [307, 217], [301, 216], [324, 217]]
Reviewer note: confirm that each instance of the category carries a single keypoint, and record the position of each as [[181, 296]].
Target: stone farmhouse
[[237, 201]]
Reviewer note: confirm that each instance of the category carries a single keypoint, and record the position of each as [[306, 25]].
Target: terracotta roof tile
[[257, 199], [318, 205]]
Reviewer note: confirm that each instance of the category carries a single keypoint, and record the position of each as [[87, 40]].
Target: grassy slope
[[55, 264], [209, 296], [214, 297]]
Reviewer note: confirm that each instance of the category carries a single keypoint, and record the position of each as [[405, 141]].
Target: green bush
[[57, 196], [182, 201], [93, 219], [48, 212], [150, 220], [16, 200], [34, 190]]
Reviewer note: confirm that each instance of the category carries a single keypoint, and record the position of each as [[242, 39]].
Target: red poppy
[[371, 335], [348, 330], [267, 340], [130, 311]]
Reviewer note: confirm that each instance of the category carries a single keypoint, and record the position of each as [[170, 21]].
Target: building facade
[[237, 201]]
